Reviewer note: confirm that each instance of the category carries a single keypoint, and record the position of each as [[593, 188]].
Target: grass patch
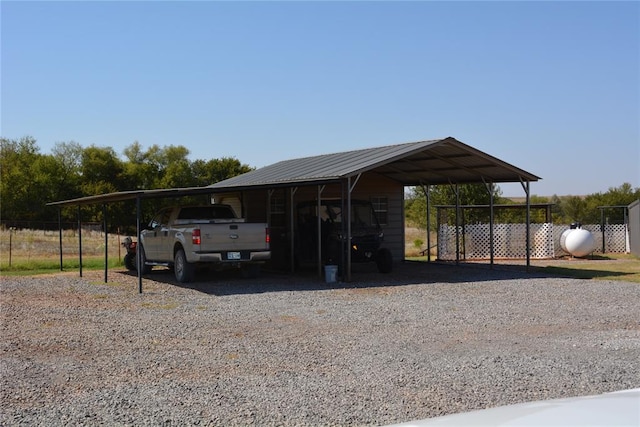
[[24, 267], [622, 267]]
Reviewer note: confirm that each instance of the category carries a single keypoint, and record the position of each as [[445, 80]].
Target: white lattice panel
[[510, 240]]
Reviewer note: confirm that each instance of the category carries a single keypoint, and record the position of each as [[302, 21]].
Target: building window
[[278, 217], [381, 208]]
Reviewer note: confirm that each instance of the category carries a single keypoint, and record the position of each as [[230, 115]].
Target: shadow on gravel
[[363, 276]]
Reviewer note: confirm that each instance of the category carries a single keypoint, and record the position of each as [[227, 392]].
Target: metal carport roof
[[441, 161]]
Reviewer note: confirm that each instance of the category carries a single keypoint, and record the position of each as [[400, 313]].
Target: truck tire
[[384, 260], [143, 260], [130, 261], [183, 270]]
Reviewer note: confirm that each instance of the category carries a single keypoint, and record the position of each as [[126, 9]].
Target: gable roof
[[440, 161]]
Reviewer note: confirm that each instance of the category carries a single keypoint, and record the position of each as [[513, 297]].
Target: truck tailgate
[[233, 237]]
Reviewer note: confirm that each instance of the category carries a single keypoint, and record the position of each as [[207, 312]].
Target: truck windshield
[[206, 212]]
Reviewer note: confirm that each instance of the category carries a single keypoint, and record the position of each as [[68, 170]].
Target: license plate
[[233, 255]]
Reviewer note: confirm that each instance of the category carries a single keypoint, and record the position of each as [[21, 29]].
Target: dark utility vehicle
[[366, 234]]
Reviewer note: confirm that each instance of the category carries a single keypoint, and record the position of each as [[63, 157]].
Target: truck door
[[154, 233]]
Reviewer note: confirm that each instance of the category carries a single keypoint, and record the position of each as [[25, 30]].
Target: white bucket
[[330, 273]]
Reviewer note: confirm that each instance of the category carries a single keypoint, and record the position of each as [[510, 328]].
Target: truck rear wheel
[[183, 270]]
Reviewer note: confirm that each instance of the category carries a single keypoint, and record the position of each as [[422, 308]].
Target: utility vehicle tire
[[183, 270], [384, 260], [130, 261]]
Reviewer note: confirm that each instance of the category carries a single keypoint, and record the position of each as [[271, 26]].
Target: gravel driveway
[[427, 340]]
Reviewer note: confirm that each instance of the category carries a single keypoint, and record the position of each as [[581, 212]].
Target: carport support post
[[456, 189], [292, 193], [319, 224], [60, 234], [491, 221], [348, 219], [80, 238], [528, 225], [489, 187], [138, 254], [106, 242], [525, 186], [427, 195]]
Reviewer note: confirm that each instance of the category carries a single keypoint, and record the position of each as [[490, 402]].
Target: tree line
[[585, 209], [30, 179]]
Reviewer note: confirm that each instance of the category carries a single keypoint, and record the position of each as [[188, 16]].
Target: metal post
[[457, 224], [139, 248], [438, 213], [491, 224], [80, 238], [292, 193], [528, 226], [106, 242], [348, 219], [427, 194], [319, 229], [602, 225], [10, 243], [60, 235]]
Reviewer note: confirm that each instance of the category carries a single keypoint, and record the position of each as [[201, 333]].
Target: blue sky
[[550, 87]]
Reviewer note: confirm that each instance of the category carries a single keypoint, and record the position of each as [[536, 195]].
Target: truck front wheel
[[143, 260], [183, 270]]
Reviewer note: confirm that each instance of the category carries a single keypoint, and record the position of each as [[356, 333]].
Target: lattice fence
[[510, 240], [616, 238]]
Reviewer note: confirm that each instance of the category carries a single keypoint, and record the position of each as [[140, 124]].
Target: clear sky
[[550, 87]]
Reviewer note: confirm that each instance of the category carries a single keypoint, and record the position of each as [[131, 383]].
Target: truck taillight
[[267, 238], [195, 236]]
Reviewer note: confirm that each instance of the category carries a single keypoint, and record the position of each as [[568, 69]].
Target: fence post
[[10, 242], [80, 238], [60, 235]]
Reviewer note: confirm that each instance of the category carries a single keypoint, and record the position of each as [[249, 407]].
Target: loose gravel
[[425, 341]]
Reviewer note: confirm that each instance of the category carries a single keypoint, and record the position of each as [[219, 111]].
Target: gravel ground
[[425, 341]]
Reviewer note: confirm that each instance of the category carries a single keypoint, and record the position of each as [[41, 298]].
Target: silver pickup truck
[[183, 237]]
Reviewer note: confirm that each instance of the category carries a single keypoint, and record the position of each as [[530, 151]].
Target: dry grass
[[415, 242], [35, 247]]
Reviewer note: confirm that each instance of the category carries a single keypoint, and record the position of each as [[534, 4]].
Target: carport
[[424, 163]]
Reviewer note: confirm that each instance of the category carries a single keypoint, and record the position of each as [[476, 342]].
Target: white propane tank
[[578, 242], [563, 238]]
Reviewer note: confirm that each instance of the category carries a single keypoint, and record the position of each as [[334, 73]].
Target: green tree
[[19, 198], [65, 175], [216, 170], [469, 194]]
